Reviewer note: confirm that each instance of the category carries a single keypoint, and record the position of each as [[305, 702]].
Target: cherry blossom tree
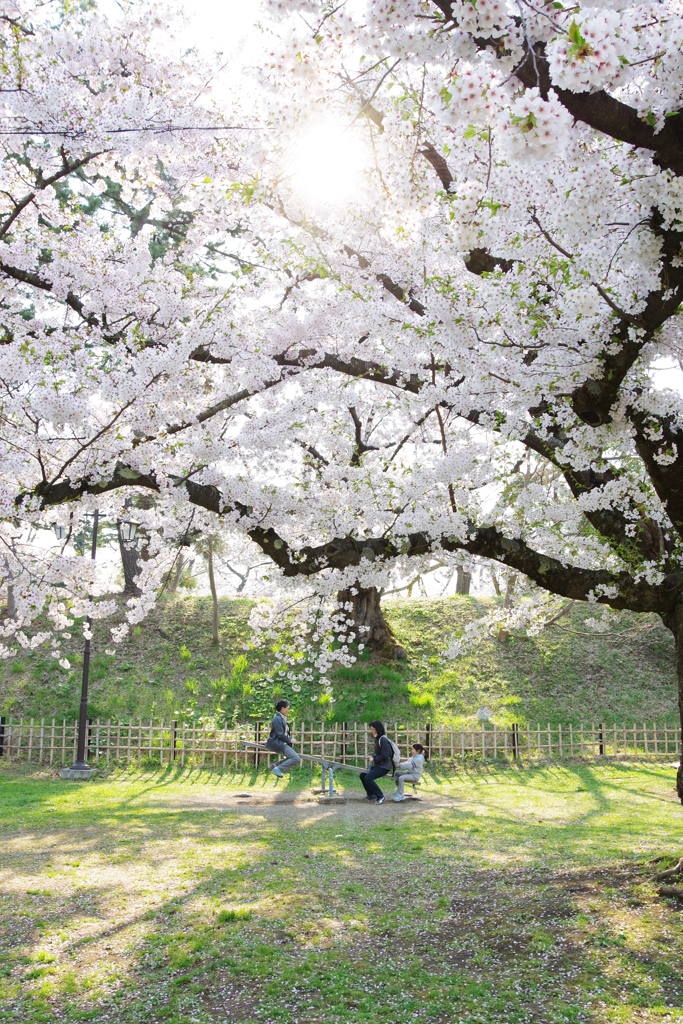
[[351, 368]]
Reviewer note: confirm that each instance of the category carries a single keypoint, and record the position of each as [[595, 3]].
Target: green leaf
[[470, 131], [319, 38], [575, 35]]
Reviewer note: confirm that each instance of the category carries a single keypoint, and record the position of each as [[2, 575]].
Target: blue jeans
[[291, 759], [368, 780]]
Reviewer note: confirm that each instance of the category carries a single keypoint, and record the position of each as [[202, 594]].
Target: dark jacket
[[279, 734], [383, 753]]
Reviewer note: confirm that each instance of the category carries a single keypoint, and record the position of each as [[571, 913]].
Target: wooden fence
[[34, 741]]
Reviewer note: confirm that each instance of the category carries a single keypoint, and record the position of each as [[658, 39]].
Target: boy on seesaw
[[280, 740]]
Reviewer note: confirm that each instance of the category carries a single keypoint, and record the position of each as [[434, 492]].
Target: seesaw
[[327, 766]]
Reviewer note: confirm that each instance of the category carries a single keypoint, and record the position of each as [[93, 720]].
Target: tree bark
[[507, 603], [675, 624], [462, 580], [367, 618], [180, 565], [130, 560], [214, 595]]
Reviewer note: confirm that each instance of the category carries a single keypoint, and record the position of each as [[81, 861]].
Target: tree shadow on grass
[[348, 939]]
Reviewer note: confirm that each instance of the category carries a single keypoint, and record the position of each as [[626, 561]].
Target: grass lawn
[[505, 895]]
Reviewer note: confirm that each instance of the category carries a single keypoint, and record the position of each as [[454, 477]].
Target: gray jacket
[[412, 767], [279, 734]]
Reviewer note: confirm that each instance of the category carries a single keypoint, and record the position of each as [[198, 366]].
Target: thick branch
[[599, 110], [341, 553]]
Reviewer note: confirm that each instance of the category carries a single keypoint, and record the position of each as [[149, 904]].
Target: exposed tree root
[[677, 869], [670, 890]]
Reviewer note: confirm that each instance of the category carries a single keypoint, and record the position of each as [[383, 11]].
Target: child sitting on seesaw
[[409, 771]]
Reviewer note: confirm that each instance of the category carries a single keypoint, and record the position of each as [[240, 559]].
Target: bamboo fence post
[[52, 741], [645, 738], [483, 742], [9, 741], [528, 742], [130, 733], [571, 739], [75, 738], [452, 751], [30, 741], [108, 738], [559, 739], [582, 739], [336, 735], [462, 743], [225, 741], [593, 740], [440, 743], [625, 743], [615, 739], [118, 741], [366, 746], [495, 742], [203, 741], [550, 743], [506, 741], [63, 740], [42, 732], [538, 740], [654, 726], [97, 741], [635, 741], [182, 749]]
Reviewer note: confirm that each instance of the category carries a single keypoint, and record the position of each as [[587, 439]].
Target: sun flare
[[328, 163]]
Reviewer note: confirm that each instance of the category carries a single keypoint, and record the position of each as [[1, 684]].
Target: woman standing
[[380, 765]]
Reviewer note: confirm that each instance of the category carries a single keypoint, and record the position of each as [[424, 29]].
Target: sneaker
[[397, 799], [381, 799], [276, 771]]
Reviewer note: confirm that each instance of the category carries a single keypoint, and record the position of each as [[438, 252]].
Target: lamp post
[[128, 531], [80, 768]]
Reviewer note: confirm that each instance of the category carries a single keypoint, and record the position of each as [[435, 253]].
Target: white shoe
[[397, 799], [276, 771]]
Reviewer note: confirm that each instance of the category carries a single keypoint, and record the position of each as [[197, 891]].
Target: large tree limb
[[599, 110], [619, 590]]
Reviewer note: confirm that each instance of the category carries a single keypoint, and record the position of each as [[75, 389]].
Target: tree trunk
[[11, 603], [367, 618], [214, 595], [676, 625], [130, 560], [507, 603], [462, 581], [496, 584], [180, 565]]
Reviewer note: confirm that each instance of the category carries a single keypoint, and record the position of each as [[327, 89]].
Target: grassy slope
[[169, 668], [506, 897]]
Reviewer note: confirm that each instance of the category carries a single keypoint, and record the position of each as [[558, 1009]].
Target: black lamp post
[[80, 765], [128, 531]]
